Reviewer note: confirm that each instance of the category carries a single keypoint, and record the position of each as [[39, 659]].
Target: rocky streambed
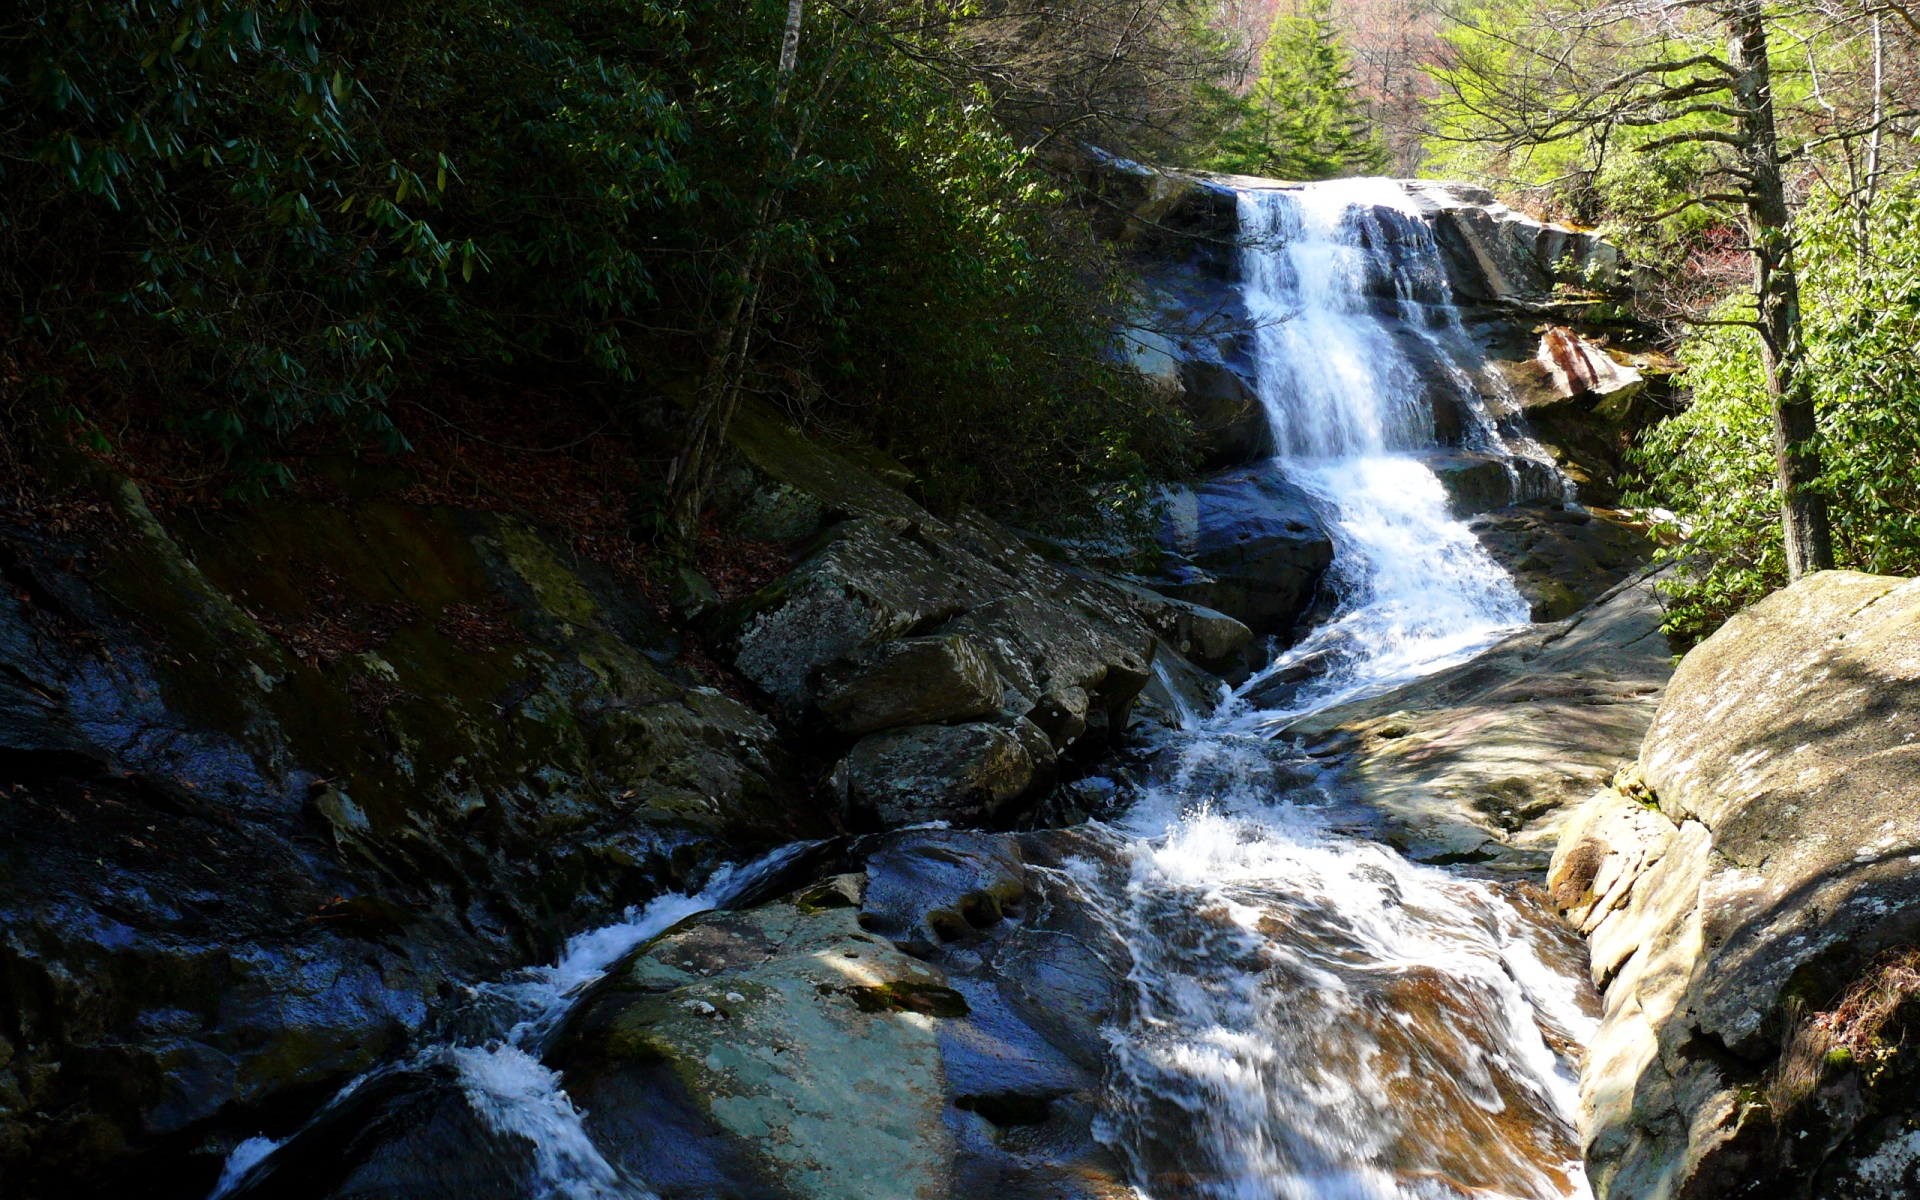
[[989, 873]]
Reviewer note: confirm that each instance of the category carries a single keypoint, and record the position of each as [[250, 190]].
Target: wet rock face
[[1755, 872], [1582, 402], [926, 1028], [1247, 543], [961, 773], [1561, 558], [1227, 414], [273, 778], [1477, 482], [1482, 762], [930, 1026]]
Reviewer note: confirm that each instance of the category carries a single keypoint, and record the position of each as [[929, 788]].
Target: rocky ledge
[[1750, 891], [1480, 763]]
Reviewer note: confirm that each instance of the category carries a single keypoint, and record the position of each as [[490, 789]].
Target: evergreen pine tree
[[1303, 118]]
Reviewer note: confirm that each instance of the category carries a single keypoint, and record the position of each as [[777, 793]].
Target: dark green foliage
[[278, 216], [1713, 463], [1304, 117]]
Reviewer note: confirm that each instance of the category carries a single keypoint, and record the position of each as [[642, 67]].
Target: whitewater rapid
[[1316, 1017]]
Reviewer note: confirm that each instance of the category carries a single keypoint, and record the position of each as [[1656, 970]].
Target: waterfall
[[1317, 1018], [1343, 283], [1313, 1016]]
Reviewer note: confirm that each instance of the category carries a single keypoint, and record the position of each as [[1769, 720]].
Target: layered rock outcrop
[[1482, 762], [1748, 892], [963, 661]]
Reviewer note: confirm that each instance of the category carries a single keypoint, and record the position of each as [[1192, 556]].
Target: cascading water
[[1316, 1017], [1337, 277], [496, 1062]]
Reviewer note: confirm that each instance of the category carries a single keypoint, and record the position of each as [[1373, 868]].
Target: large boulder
[[957, 773], [1481, 763], [880, 569], [928, 1027], [909, 681], [804, 1050], [1742, 892], [1246, 543]]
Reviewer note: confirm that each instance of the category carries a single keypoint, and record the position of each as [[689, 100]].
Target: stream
[[1315, 1017]]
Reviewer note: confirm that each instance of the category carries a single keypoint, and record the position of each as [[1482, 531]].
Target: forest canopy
[[260, 225], [266, 218]]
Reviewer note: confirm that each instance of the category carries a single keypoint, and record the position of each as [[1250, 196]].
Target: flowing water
[[1315, 1017], [495, 1059]]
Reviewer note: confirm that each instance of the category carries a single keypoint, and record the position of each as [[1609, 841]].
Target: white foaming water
[[519, 1097], [504, 1080], [1338, 275], [1316, 1018]]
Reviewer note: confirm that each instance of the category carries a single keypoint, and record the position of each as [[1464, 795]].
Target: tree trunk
[[692, 471], [1803, 509]]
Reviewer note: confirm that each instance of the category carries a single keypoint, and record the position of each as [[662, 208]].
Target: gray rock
[[961, 773], [1227, 414], [1477, 481], [1203, 636], [1180, 691], [1069, 651], [1248, 544], [930, 1028], [1561, 558], [1482, 762], [796, 1048], [910, 681], [1780, 863]]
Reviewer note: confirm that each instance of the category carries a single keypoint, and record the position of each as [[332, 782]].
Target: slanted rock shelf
[[1754, 870]]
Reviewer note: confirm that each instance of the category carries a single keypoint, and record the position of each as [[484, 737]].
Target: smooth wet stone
[[796, 1044], [1208, 638], [1479, 763], [1493, 253], [1763, 852], [1248, 544], [412, 1131], [1561, 558], [810, 1044], [1180, 691], [1477, 481]]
